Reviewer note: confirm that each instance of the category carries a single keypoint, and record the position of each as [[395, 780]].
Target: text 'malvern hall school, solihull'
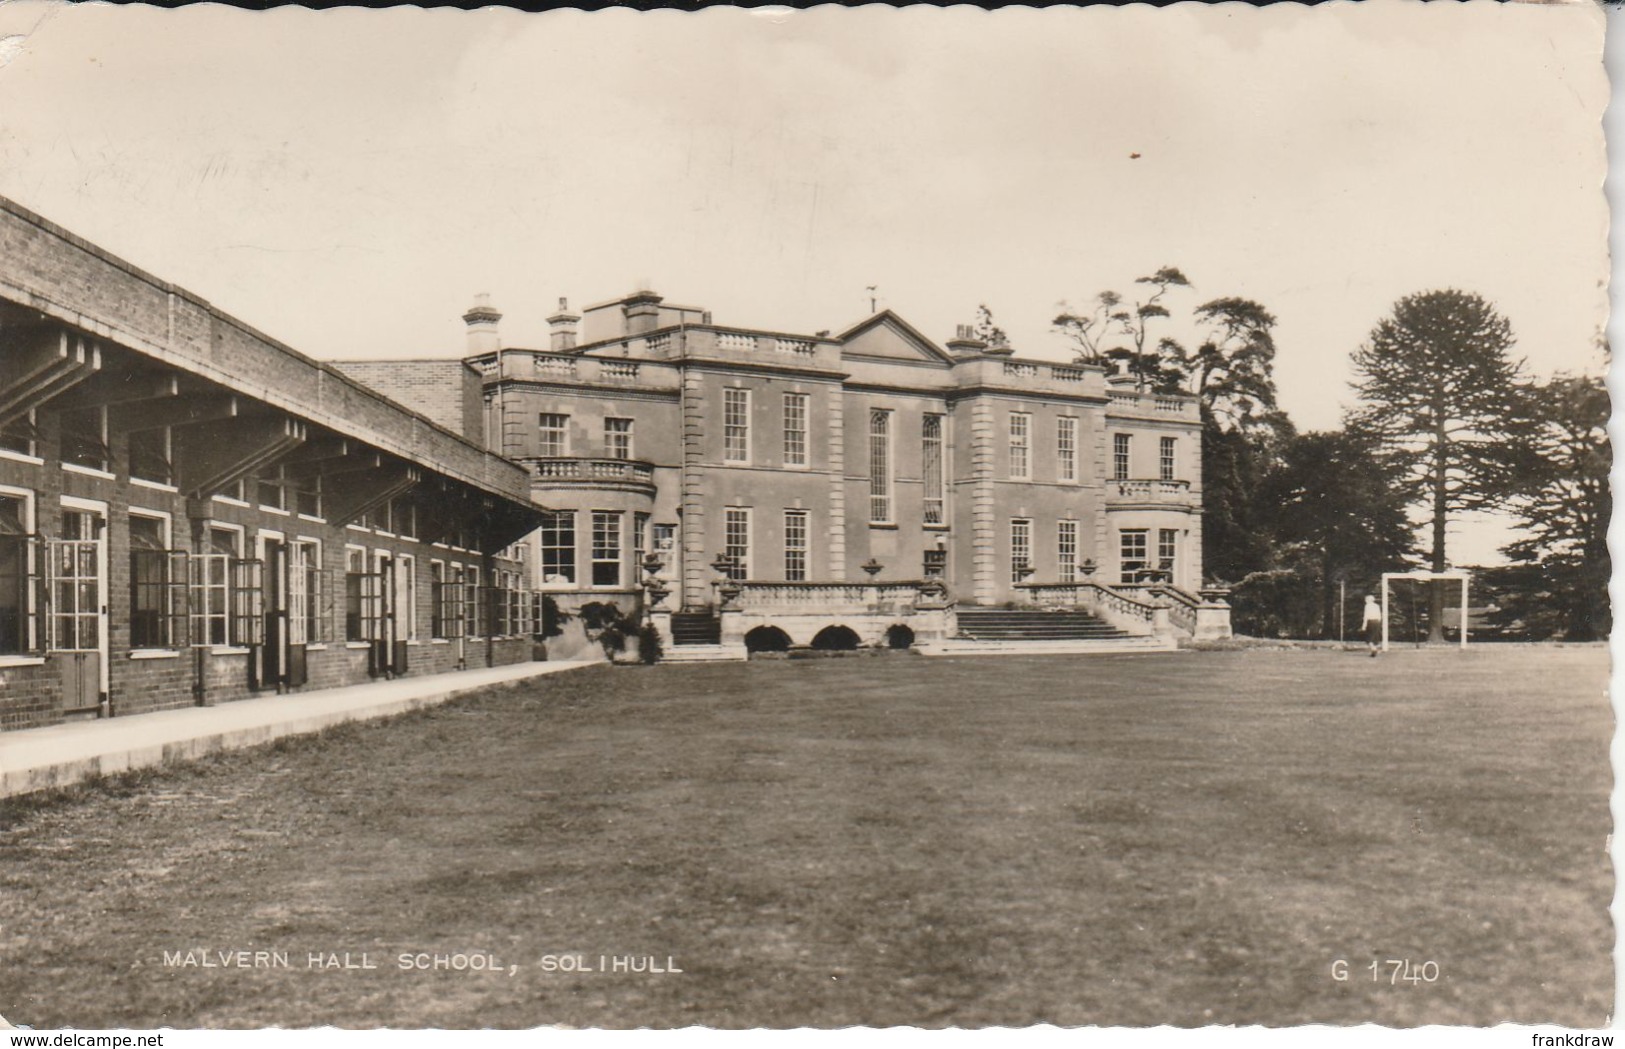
[[192, 512]]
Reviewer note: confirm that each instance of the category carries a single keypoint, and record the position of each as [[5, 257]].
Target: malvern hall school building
[[192, 512]]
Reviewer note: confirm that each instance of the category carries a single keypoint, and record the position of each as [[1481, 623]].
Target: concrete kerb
[[62, 755]]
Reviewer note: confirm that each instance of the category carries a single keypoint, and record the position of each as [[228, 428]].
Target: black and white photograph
[[771, 518]]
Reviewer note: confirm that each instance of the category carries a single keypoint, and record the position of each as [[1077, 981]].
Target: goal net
[[1407, 606]]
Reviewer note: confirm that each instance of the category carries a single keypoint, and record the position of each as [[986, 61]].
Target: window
[[1166, 458], [406, 597], [795, 429], [519, 606], [84, 438], [1131, 554], [248, 602], [21, 435], [157, 597], [736, 540], [665, 542], [270, 492], [76, 592], [559, 547], [363, 612], [554, 435], [1021, 424], [305, 593], [307, 496], [1066, 551], [437, 599], [1167, 548], [1066, 448], [210, 580], [400, 517], [795, 545], [492, 607], [1120, 449], [735, 425], [19, 581], [932, 468], [453, 614], [618, 438], [476, 614], [880, 466], [640, 544], [606, 548], [150, 456], [1021, 548]]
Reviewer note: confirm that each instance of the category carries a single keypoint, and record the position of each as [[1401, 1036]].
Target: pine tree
[[1561, 492], [1443, 396], [1333, 509]]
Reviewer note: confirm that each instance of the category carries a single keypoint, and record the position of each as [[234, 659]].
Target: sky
[[348, 181]]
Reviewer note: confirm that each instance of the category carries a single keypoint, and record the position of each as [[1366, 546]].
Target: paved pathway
[[36, 759]]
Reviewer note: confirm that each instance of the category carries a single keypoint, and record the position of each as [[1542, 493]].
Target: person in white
[[1372, 624]]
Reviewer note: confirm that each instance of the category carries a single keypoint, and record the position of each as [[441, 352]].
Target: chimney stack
[[641, 310], [481, 319], [965, 343], [562, 328]]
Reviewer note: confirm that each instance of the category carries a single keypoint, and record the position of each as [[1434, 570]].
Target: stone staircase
[[695, 628], [697, 638], [991, 631], [703, 654], [997, 624]]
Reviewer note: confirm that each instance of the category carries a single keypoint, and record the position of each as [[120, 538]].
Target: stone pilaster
[[1097, 470], [696, 574], [984, 538], [837, 486]]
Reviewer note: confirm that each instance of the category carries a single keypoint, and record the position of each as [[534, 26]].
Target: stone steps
[[695, 628], [703, 654], [1019, 625], [1074, 647]]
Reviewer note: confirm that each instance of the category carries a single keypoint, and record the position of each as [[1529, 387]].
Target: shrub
[[553, 619], [649, 647]]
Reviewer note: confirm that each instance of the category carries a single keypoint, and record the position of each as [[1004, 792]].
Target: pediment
[[886, 336]]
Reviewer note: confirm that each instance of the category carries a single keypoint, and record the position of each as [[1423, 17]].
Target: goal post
[[1421, 577]]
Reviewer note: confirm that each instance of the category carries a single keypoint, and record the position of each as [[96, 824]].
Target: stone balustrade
[[830, 598], [1144, 489], [570, 470], [1153, 404], [1128, 613]]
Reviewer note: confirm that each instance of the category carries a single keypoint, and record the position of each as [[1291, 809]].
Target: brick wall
[[31, 688], [79, 284], [448, 391]]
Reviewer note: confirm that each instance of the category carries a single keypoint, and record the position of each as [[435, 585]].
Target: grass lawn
[[1163, 838]]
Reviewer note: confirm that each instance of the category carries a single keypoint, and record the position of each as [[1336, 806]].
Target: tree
[[1442, 395], [1561, 493], [1088, 331], [1334, 511], [1130, 319], [987, 331], [1236, 541], [1232, 370]]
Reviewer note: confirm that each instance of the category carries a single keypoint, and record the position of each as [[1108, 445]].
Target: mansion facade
[[858, 476]]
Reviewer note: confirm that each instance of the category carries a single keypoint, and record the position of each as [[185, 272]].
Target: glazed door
[[300, 604], [381, 633], [274, 652], [78, 611]]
